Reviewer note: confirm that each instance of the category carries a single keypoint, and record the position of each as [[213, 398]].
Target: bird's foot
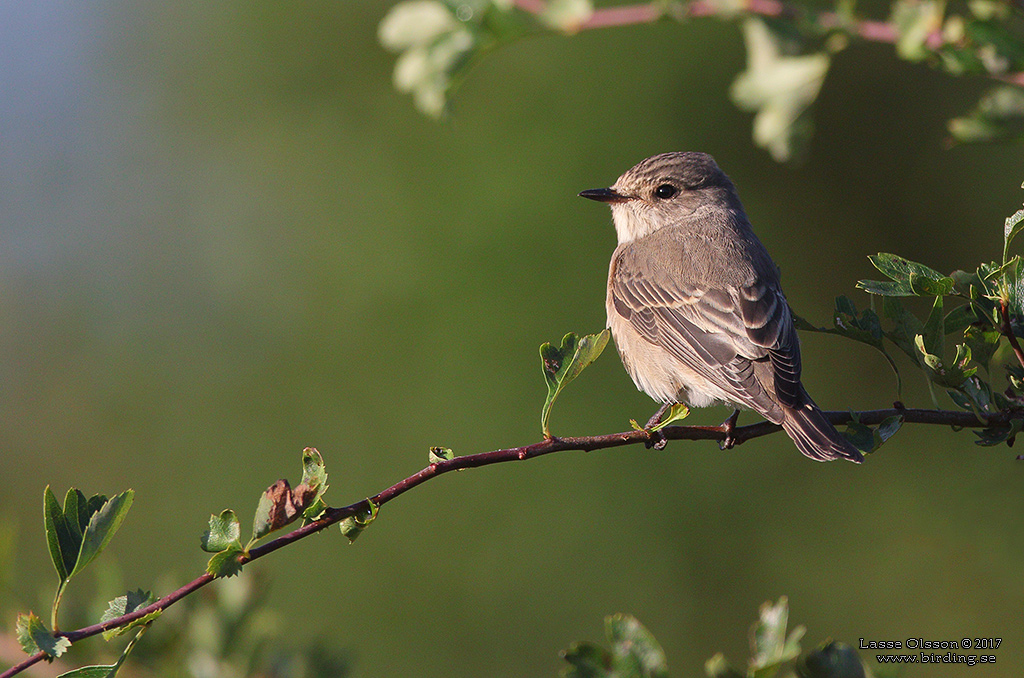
[[656, 439], [656, 419], [728, 427]]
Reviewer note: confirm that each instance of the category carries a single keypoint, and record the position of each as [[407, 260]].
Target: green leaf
[[76, 513], [932, 361], [779, 87], [912, 278], [428, 72], [60, 538], [439, 454], [1015, 373], [78, 532], [996, 435], [438, 41], [889, 427], [314, 511], [915, 21], [224, 532], [272, 503], [865, 328], [771, 647], [951, 375], [108, 671], [566, 15], [860, 436], [587, 660], [1013, 291], [999, 116], [563, 364], [886, 288], [982, 278], [96, 671], [988, 9], [980, 393], [635, 651], [996, 41], [103, 524], [831, 660], [999, 271], [126, 604], [314, 471], [676, 412], [225, 563], [354, 525], [934, 331], [924, 287], [1011, 228], [411, 24], [868, 439], [35, 637], [718, 667], [906, 326], [961, 318], [309, 494]]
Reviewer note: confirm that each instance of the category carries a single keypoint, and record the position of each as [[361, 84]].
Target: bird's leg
[[727, 427], [656, 419], [657, 439]]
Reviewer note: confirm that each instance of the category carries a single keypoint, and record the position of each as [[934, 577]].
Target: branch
[[579, 443], [646, 13]]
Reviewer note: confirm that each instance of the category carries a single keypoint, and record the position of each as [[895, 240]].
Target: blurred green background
[[224, 237]]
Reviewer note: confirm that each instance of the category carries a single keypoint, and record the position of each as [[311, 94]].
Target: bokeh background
[[224, 237]]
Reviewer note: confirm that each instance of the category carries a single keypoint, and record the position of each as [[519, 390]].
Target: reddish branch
[[583, 443], [645, 13]]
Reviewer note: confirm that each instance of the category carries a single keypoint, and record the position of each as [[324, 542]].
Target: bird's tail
[[814, 436]]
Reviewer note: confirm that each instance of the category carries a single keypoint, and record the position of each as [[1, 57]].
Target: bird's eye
[[665, 191]]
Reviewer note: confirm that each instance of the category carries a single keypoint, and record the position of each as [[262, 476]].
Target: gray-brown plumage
[[694, 301]]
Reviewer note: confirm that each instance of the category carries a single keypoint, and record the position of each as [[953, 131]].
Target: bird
[[695, 304]]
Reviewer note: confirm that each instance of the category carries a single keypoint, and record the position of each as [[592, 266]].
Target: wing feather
[[722, 334]]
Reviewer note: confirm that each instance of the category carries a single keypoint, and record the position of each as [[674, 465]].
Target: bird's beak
[[608, 195]]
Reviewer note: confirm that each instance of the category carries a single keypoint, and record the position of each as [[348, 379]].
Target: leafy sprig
[[775, 650], [789, 50]]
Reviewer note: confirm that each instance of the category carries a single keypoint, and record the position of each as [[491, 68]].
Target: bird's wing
[[718, 332]]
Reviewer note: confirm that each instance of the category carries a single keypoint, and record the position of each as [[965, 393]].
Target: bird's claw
[[656, 439], [728, 427]]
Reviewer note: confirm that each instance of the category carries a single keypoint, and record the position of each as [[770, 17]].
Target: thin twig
[[581, 443]]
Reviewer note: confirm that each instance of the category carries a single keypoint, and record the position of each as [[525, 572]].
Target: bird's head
[[664, 190]]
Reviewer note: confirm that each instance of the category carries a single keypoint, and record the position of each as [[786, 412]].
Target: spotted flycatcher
[[695, 304]]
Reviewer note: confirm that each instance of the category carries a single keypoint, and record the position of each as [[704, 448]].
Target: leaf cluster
[[76, 533], [982, 311], [634, 652], [79, 530], [278, 506], [789, 52]]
